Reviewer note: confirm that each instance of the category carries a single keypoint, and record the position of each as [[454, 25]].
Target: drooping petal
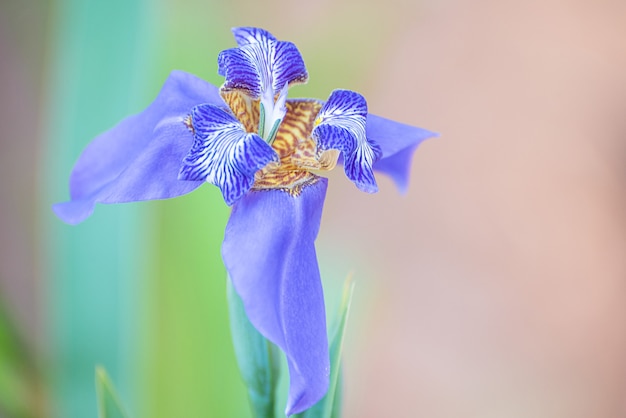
[[261, 65], [140, 157], [397, 142], [223, 153], [270, 255], [340, 125]]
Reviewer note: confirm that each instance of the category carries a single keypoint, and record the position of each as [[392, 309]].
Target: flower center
[[271, 113], [290, 136]]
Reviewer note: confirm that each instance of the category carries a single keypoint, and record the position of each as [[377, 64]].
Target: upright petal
[[139, 158], [270, 255], [340, 125], [241, 72], [223, 153], [397, 142], [261, 65]]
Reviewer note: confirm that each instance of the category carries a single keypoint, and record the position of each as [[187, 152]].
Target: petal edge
[[397, 142]]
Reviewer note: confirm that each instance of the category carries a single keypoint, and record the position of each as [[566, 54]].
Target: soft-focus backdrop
[[495, 287]]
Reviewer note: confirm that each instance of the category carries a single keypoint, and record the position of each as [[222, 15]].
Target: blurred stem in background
[[99, 54], [142, 295]]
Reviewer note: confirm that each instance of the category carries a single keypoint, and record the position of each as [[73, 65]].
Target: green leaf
[[338, 400], [258, 359], [330, 405], [109, 405]]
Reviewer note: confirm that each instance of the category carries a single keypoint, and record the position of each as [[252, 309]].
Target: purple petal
[[240, 71], [223, 153], [340, 125], [261, 64], [287, 66], [270, 255], [397, 142], [140, 157]]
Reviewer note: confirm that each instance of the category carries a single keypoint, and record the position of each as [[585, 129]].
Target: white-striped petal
[[340, 125], [223, 153], [261, 64]]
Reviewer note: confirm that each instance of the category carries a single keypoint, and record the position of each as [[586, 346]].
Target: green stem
[[258, 359]]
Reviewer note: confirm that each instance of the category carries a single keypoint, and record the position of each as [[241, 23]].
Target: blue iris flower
[[265, 153]]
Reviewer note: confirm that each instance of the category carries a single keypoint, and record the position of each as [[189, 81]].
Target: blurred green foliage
[[20, 376], [109, 405], [258, 359], [330, 405]]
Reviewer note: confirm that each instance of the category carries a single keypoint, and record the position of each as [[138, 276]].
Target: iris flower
[[265, 153]]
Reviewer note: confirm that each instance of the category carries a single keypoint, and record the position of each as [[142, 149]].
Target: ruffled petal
[[139, 158], [287, 66], [270, 255], [397, 142], [223, 153], [241, 72], [261, 65], [340, 125]]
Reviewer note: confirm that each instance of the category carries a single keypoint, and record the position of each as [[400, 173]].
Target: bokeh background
[[495, 287]]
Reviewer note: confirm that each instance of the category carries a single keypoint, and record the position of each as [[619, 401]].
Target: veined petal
[[241, 72], [261, 65], [287, 66], [397, 142], [270, 255], [223, 153], [340, 125], [139, 158]]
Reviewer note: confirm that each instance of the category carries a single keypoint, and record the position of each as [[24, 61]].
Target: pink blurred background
[[503, 286], [496, 286]]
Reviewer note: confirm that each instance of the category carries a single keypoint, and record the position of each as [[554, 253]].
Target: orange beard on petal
[[244, 108]]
